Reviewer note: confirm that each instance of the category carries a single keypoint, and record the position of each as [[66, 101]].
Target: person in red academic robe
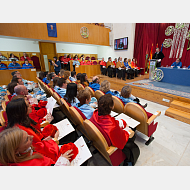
[[103, 67], [114, 129], [18, 111], [89, 62], [25, 57], [16, 150], [83, 62], [135, 67], [64, 62]]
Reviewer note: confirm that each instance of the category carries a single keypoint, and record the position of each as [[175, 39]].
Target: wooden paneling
[[48, 49], [66, 32], [28, 74]]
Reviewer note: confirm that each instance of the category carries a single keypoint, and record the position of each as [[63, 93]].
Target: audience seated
[[62, 87], [83, 80], [61, 73], [24, 57], [103, 67], [22, 90], [73, 76], [114, 129], [2, 57], [127, 97], [16, 150], [43, 78], [84, 97], [14, 65], [83, 62], [71, 94], [78, 78], [95, 83], [10, 88], [2, 66], [105, 87], [50, 77], [130, 72], [135, 67], [27, 65], [18, 80], [66, 76], [55, 86], [110, 68], [89, 62], [12, 57], [177, 63]]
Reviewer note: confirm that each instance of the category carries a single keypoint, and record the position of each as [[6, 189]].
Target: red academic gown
[[114, 63], [65, 60], [23, 58], [45, 161], [83, 63], [118, 136], [89, 63], [133, 65], [47, 148], [103, 63]]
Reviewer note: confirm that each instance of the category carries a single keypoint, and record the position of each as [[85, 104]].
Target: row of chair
[[99, 140]]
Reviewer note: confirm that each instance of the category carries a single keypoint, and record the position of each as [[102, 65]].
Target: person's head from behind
[[84, 96], [125, 60], [62, 83], [18, 80], [11, 87], [105, 86], [71, 92], [96, 79], [126, 91], [61, 73], [67, 74], [41, 75], [105, 104], [73, 74], [21, 90], [55, 81], [83, 78], [17, 111], [78, 76], [14, 73], [16, 146]]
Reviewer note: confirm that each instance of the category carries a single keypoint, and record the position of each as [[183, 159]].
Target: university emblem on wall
[[84, 32]]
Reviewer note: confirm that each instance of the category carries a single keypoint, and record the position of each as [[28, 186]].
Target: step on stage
[[176, 97]]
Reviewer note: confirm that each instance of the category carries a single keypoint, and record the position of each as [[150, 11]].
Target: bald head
[[21, 90]]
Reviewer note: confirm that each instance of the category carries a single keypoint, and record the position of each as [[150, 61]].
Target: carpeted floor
[[177, 90]]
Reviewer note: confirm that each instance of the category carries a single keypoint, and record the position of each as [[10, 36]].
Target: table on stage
[[176, 76], [28, 74], [90, 70]]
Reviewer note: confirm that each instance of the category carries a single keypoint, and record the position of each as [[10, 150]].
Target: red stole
[[103, 63], [89, 63], [83, 63], [118, 136]]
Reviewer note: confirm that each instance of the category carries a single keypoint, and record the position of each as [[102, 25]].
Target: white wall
[[76, 48], [120, 30], [19, 45]]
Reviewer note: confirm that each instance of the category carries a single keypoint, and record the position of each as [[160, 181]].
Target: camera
[[50, 61]]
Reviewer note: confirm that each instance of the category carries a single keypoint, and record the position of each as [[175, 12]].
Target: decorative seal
[[84, 32], [169, 30], [167, 43]]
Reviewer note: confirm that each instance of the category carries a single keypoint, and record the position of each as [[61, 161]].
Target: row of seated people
[[120, 68], [12, 56], [15, 65], [46, 152]]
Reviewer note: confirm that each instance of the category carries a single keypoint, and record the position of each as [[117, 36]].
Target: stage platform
[[176, 97]]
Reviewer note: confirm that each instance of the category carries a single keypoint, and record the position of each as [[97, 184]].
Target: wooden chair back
[[98, 94], [118, 105], [91, 91], [80, 87]]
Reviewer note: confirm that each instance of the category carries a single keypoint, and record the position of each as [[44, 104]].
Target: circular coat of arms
[[84, 32]]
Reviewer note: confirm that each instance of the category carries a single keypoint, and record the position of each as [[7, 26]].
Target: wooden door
[[47, 51]]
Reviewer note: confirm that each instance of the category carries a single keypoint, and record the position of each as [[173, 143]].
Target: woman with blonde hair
[[61, 73], [16, 150], [105, 87]]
